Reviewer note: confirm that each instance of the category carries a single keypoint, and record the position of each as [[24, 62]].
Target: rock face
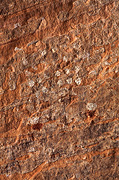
[[59, 89]]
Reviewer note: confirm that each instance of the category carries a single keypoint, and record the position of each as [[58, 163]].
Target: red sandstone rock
[[59, 90]]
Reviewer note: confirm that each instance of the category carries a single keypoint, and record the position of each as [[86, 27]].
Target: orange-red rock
[[59, 90]]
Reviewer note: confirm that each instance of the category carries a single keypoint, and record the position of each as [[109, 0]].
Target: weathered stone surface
[[59, 90]]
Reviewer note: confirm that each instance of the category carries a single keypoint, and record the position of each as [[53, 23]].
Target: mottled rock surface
[[59, 90]]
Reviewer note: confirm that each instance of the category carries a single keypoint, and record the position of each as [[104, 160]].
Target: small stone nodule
[[91, 106]]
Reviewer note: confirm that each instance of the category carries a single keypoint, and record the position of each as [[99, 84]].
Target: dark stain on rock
[[55, 56], [45, 105], [31, 136], [91, 114], [92, 123], [95, 130], [67, 63], [37, 126], [64, 120], [53, 156]]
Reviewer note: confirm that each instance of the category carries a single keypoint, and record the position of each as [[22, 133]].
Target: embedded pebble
[[44, 89], [1, 91], [37, 94], [76, 3], [67, 71], [17, 25], [25, 62], [65, 58], [93, 72], [53, 50], [31, 83], [59, 100], [69, 81], [12, 85], [107, 63], [57, 73], [43, 53], [59, 82], [33, 120], [27, 73], [31, 149], [39, 80], [116, 71], [77, 68], [78, 81], [34, 67], [63, 92], [17, 49], [91, 106]]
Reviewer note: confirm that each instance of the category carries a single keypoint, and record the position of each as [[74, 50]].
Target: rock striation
[[59, 90]]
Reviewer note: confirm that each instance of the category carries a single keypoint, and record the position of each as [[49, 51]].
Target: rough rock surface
[[59, 89]]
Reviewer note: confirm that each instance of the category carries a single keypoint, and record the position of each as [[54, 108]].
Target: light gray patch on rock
[[91, 106]]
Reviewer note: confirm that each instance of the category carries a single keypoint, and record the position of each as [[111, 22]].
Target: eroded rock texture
[[59, 89]]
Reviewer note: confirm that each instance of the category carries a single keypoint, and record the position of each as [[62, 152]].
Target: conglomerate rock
[[59, 89]]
